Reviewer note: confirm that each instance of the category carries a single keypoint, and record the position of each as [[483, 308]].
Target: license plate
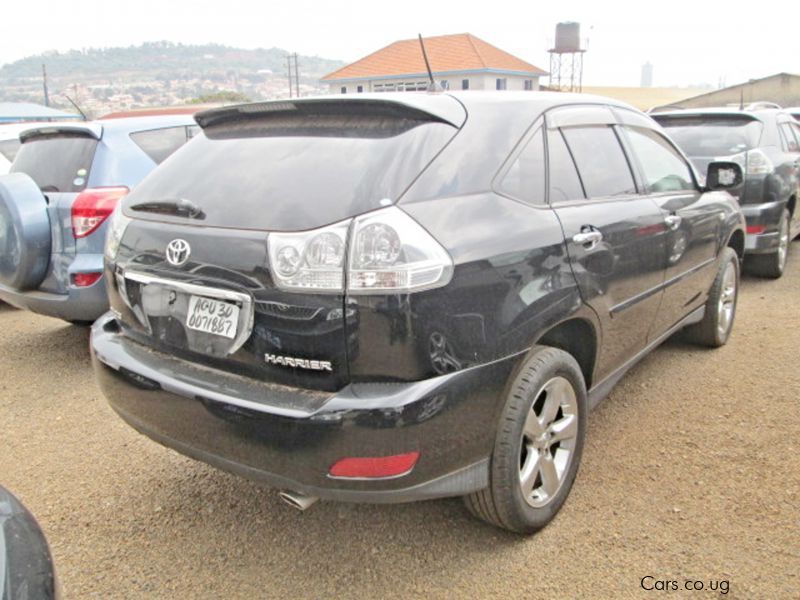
[[212, 316]]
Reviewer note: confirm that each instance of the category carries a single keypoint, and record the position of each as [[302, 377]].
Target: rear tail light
[[391, 252], [756, 229], [374, 467], [85, 279], [116, 229], [388, 252], [92, 207], [309, 260], [758, 163]]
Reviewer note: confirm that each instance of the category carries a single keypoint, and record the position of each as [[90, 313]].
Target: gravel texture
[[691, 471]]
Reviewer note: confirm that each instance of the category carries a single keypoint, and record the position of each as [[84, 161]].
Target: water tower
[[566, 59]]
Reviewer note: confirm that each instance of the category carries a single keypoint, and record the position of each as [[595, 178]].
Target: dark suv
[[766, 143], [398, 297]]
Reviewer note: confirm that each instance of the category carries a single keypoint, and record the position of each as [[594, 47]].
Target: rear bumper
[[292, 443], [78, 304], [768, 215]]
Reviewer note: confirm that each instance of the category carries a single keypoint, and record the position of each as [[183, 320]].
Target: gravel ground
[[691, 471]]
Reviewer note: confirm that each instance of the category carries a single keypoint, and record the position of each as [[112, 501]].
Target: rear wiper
[[180, 208]]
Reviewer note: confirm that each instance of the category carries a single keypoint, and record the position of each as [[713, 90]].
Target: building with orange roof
[[459, 62]]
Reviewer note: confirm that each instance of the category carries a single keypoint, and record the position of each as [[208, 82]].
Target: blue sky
[[687, 42]]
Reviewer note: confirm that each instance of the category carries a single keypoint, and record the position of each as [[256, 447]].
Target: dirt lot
[[691, 471]]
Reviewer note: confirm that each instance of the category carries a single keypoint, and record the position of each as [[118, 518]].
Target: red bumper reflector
[[85, 279], [756, 228], [374, 467]]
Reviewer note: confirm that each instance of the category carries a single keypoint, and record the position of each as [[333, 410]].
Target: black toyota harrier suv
[[766, 143], [398, 297]]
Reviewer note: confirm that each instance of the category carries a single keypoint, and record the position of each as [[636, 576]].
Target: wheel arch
[[736, 241], [578, 338]]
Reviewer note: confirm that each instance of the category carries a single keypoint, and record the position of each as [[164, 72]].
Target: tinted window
[[525, 179], [663, 168], [788, 134], [796, 129], [57, 163], [8, 148], [712, 136], [565, 184], [601, 163], [295, 172], [158, 144]]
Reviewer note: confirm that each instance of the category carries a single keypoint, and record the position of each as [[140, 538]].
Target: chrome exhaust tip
[[297, 500]]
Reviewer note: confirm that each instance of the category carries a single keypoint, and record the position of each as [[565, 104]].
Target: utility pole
[[44, 85], [296, 76], [289, 71]]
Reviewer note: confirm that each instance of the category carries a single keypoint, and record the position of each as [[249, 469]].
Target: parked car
[[64, 182], [9, 143], [766, 143], [377, 298], [26, 565], [794, 111]]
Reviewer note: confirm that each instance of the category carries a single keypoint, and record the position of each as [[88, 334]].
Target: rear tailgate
[[59, 159], [213, 206]]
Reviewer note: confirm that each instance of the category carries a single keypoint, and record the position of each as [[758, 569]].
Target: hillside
[[156, 73]]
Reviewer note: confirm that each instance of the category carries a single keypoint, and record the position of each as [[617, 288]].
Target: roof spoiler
[[439, 108], [92, 130]]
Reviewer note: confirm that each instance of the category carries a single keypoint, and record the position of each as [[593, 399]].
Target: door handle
[[588, 238], [673, 221]]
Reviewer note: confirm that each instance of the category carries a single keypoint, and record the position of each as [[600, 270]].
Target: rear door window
[[789, 137], [158, 144], [601, 163], [57, 162], [524, 180], [663, 168], [565, 184]]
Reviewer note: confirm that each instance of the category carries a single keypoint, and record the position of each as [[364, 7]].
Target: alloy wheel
[[783, 245], [727, 300], [548, 441]]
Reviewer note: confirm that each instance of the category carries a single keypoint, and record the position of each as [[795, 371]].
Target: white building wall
[[454, 82]]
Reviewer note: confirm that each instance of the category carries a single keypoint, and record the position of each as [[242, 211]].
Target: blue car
[[64, 183]]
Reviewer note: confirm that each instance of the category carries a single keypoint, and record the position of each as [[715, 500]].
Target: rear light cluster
[[116, 229], [387, 252], [754, 162], [92, 207]]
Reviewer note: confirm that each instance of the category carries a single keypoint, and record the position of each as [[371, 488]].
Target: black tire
[[710, 331], [773, 265], [503, 504]]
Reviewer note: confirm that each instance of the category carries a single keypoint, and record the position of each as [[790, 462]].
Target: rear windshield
[[285, 173], [712, 136], [8, 149], [57, 163]]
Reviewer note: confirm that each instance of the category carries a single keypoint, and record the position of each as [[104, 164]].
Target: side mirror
[[724, 175]]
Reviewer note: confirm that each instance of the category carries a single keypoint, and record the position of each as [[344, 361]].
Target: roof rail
[[761, 105]]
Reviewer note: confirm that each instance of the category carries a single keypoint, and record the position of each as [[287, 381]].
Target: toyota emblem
[[178, 252]]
